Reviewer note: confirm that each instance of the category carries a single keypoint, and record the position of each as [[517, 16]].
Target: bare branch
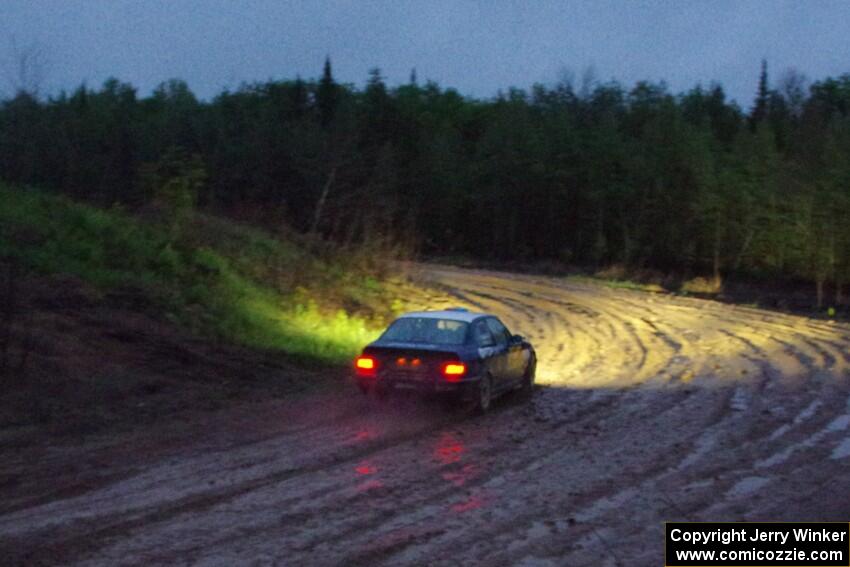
[[24, 68]]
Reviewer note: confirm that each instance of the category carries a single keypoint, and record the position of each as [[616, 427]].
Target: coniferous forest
[[591, 175]]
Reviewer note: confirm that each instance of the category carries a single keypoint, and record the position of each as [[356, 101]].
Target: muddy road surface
[[649, 408]]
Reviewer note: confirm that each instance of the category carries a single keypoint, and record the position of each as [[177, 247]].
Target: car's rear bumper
[[466, 388]]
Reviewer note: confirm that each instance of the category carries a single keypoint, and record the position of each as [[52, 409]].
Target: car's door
[[491, 354], [514, 360], [502, 338]]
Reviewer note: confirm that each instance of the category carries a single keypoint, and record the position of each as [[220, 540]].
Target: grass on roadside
[[619, 284], [218, 278]]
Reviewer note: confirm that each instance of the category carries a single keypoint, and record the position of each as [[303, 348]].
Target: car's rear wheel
[[485, 395], [528, 376]]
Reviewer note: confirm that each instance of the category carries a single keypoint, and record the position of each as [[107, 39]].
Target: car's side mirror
[[517, 339]]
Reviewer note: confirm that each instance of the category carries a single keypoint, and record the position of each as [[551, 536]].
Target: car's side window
[[483, 336], [500, 333]]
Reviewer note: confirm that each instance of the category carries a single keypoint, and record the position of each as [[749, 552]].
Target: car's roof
[[451, 314]]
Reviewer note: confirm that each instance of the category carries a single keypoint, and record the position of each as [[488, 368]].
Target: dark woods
[[594, 176]]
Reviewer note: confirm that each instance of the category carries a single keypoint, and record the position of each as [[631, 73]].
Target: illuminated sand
[[651, 408]]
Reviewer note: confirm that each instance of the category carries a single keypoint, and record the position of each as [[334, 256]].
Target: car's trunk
[[411, 361]]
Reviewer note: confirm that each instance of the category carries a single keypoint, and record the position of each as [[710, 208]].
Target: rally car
[[468, 356]]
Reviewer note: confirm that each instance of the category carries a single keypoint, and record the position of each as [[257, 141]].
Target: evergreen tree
[[636, 176], [327, 96], [761, 104]]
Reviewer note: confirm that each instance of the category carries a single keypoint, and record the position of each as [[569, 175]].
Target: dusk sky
[[475, 47]]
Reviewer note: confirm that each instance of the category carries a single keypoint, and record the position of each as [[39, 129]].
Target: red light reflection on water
[[449, 449], [366, 468], [460, 477], [365, 434], [471, 503]]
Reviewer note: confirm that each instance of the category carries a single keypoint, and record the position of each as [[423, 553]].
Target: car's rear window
[[427, 330]]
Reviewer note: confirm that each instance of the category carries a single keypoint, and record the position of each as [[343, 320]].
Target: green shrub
[[704, 286], [218, 278]]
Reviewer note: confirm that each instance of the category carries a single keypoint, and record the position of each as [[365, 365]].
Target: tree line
[[592, 175]]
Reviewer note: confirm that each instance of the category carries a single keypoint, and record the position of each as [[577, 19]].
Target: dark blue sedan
[[469, 356]]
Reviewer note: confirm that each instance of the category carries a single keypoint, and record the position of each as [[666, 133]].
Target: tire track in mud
[[396, 546], [650, 408], [132, 514], [758, 358]]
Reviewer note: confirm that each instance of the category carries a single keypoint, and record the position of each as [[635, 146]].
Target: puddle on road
[[474, 502], [747, 486], [364, 469], [365, 434], [461, 477], [842, 451], [449, 449]]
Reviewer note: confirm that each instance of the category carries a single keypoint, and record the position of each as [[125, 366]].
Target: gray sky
[[475, 47]]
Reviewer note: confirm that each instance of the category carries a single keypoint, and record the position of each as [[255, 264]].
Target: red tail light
[[454, 370], [365, 365]]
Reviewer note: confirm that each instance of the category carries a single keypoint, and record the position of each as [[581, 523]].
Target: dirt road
[[650, 408]]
